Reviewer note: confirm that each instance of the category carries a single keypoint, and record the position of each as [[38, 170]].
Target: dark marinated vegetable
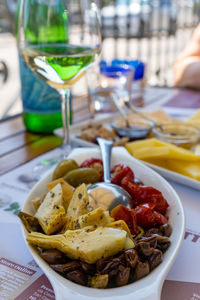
[[166, 230], [53, 256], [64, 167], [155, 259], [31, 223], [122, 276], [152, 231], [88, 268], [151, 239], [68, 267], [77, 276], [131, 257], [82, 175], [142, 269], [111, 266], [145, 248]]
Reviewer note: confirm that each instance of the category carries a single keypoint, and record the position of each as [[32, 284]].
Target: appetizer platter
[[158, 154], [87, 252]]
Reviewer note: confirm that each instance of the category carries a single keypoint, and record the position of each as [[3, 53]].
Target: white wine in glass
[[58, 40]]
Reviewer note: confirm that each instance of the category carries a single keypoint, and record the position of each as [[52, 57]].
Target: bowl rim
[[140, 121], [162, 133], [134, 132]]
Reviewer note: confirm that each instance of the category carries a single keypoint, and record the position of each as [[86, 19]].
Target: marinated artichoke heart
[[67, 189], [97, 217], [78, 206], [84, 234], [88, 244], [120, 224], [51, 214]]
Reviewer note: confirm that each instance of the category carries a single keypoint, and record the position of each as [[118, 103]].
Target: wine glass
[[58, 40]]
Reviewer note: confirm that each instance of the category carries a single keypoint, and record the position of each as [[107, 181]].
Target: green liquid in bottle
[[41, 103], [44, 123]]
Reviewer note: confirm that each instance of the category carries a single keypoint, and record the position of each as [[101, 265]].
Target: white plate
[[147, 288], [179, 178]]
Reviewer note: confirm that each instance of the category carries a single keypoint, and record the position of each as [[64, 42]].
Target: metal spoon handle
[[127, 104], [114, 99], [105, 147]]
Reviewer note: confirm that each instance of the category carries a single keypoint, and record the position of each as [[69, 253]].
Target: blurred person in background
[[187, 65]]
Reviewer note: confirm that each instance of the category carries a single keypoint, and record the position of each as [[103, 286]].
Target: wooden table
[[17, 146]]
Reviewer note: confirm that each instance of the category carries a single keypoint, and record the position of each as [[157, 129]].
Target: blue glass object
[[139, 66], [114, 71]]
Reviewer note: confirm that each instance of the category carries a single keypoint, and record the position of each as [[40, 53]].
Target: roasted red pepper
[[121, 212], [95, 163], [145, 194], [159, 218], [147, 217], [118, 172], [144, 215]]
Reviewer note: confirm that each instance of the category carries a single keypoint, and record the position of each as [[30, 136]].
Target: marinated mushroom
[[155, 259], [166, 230], [123, 276], [67, 267], [77, 276], [142, 269], [145, 248], [53, 256], [131, 257]]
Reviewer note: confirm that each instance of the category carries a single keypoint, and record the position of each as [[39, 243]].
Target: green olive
[[82, 175], [64, 167]]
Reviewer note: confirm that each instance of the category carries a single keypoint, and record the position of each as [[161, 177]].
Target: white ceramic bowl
[[147, 288]]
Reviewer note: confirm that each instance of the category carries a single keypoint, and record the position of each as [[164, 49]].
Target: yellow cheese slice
[[153, 148], [191, 169], [163, 163], [152, 152]]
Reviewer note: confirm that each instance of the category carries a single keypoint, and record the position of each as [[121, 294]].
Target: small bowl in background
[[177, 133], [139, 129]]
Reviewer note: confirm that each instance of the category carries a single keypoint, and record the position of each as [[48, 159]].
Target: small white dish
[[147, 288]]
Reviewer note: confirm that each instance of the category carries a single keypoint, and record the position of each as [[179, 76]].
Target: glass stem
[[65, 108]]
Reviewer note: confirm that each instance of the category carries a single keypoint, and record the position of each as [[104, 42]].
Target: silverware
[[105, 194]]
